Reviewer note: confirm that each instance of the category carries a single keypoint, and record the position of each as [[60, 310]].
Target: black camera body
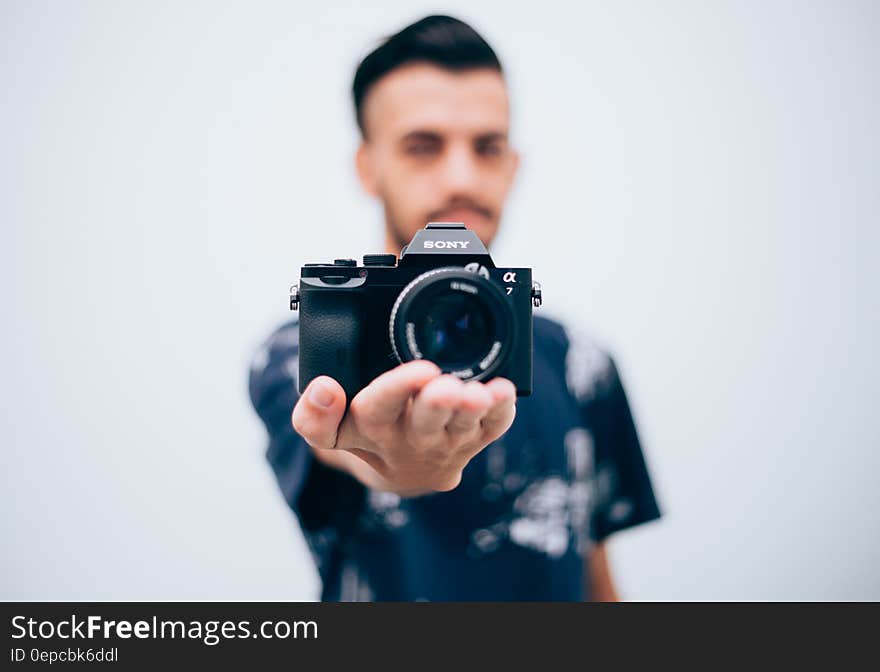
[[445, 301]]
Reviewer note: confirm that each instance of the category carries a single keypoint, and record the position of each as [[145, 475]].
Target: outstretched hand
[[415, 427]]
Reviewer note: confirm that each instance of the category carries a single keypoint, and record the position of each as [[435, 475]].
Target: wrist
[[363, 472]]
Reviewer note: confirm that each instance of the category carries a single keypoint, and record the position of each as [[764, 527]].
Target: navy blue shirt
[[568, 473]]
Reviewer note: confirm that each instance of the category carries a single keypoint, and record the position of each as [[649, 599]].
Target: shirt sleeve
[[325, 500], [622, 494]]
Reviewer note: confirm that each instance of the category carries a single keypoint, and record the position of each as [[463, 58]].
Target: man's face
[[436, 149]]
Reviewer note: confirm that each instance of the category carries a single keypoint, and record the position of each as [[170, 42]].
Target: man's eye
[[421, 148], [490, 149]]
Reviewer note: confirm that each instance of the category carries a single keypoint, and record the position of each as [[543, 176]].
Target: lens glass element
[[455, 330]]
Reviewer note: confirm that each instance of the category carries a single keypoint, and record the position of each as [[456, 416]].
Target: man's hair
[[440, 40]]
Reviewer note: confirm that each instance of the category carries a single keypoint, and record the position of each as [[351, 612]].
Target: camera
[[444, 301]]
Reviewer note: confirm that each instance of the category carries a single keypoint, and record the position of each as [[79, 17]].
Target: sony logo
[[447, 244]]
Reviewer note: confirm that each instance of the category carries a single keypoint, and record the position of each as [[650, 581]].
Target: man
[[430, 488]]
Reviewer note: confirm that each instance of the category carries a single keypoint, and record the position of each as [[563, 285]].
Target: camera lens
[[454, 318]]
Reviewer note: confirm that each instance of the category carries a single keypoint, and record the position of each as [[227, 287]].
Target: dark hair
[[439, 40]]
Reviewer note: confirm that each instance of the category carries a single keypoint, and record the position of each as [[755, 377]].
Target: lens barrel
[[455, 318]]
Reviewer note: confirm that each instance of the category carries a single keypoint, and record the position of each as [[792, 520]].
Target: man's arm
[[598, 579], [618, 461]]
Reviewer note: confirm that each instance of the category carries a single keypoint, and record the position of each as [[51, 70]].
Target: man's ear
[[514, 167], [364, 165]]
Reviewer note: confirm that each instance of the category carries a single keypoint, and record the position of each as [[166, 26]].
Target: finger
[[503, 410], [435, 404], [474, 402], [319, 411], [383, 400]]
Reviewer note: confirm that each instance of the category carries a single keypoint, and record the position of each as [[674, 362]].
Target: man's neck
[[391, 245]]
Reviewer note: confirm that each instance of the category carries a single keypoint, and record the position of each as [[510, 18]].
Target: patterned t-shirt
[[568, 473]]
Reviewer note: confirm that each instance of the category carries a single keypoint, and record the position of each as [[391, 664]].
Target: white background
[[699, 188]]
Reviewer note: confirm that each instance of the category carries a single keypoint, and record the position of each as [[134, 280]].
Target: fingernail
[[320, 395]]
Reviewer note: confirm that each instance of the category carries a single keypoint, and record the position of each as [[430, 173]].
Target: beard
[[401, 234]]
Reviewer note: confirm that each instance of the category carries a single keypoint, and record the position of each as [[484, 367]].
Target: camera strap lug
[[294, 297], [537, 296]]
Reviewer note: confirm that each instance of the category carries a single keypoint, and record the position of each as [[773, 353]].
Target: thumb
[[319, 411]]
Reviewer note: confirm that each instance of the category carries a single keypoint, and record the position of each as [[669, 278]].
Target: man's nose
[[460, 170]]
